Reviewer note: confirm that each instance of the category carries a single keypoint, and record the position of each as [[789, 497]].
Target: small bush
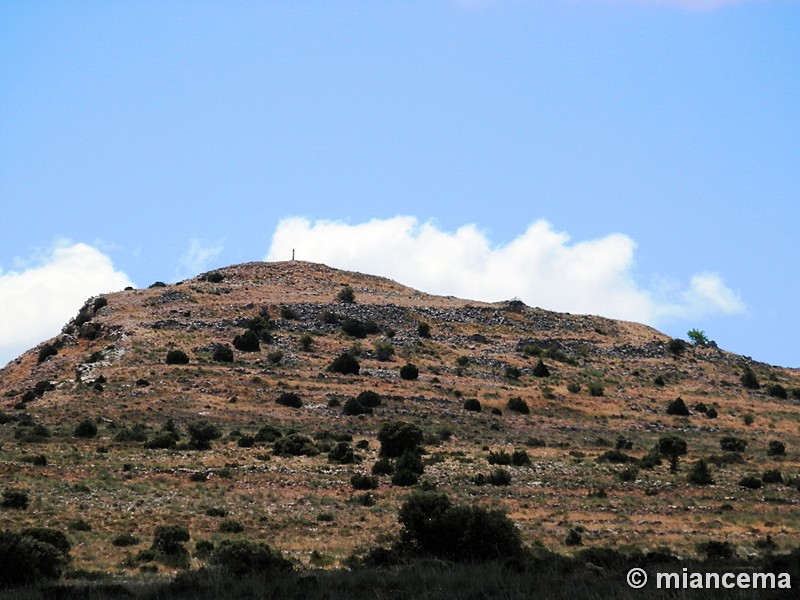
[[342, 453], [177, 357], [678, 407], [676, 347], [295, 444], [242, 557], [31, 556], [369, 398], [499, 458], [700, 474], [345, 364], [424, 330], [202, 433], [213, 277], [169, 539], [711, 413], [731, 443], [15, 499], [346, 295], [714, 550], [749, 379], [404, 478], [659, 381], [596, 390], [46, 352], [124, 540], [306, 342], [247, 342], [573, 538], [230, 526], [398, 437], [363, 482], [772, 476], [512, 372], [268, 434], [776, 448], [288, 313], [472, 405], [354, 406], [574, 388], [409, 372], [222, 353], [384, 351], [162, 440], [246, 441], [518, 405], [499, 477], [751, 482], [86, 429], [289, 399], [354, 328], [541, 370], [383, 466], [778, 391]]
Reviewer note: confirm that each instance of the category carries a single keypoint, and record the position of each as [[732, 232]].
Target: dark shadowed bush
[[354, 406], [433, 526], [295, 444], [715, 550], [46, 352], [397, 437], [125, 539], [342, 453], [345, 364], [424, 330], [202, 433], [472, 405], [222, 353], [776, 448], [676, 347], [177, 357], [243, 557], [541, 370], [32, 556], [247, 342], [369, 398], [751, 482], [731, 443], [354, 328], [363, 482], [289, 399], [678, 407], [777, 391], [749, 379], [409, 372], [16, 499], [268, 434], [700, 474], [518, 405], [86, 429], [346, 295], [169, 539]]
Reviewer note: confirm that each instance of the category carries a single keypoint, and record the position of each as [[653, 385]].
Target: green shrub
[[275, 357], [86, 429], [242, 557], [79, 525], [714, 550], [246, 441], [573, 538], [222, 353], [384, 351], [541, 370], [203, 549], [776, 448], [520, 458], [230, 526], [31, 556], [749, 379], [596, 390], [778, 391], [574, 388], [354, 406], [383, 466], [354, 328], [672, 447], [731, 443], [628, 474], [268, 434], [363, 482], [162, 440], [700, 474], [751, 482], [369, 398], [306, 342], [288, 313], [289, 399], [499, 458], [409, 372], [676, 347], [295, 444], [499, 477], [512, 372], [615, 456], [202, 433], [772, 476], [518, 405], [404, 478], [424, 330], [345, 364], [342, 453], [433, 526], [659, 381], [177, 357], [16, 499], [398, 437], [472, 405], [462, 361], [346, 295], [213, 277], [678, 407], [247, 342], [46, 352], [169, 539], [124, 540], [711, 413]]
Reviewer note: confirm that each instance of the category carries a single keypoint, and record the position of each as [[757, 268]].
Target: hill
[[581, 460]]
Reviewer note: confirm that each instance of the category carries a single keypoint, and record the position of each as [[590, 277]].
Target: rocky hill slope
[[596, 392]]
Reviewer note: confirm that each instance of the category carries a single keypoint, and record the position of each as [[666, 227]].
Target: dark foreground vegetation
[[444, 550]]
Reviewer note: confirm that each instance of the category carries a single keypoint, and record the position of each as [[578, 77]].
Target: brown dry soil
[[306, 506]]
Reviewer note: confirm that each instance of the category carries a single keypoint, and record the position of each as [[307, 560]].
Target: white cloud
[[197, 257], [39, 298], [541, 266]]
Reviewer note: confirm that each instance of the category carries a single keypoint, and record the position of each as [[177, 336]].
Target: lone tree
[[698, 337], [672, 447]]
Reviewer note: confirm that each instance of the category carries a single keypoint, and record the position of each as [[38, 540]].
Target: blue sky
[[633, 158]]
